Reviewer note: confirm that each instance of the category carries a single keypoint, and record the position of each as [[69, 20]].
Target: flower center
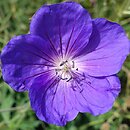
[[65, 70]]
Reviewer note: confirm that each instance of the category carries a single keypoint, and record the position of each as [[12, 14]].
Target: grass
[[15, 111]]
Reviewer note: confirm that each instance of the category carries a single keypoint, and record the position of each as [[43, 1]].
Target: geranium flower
[[68, 62]]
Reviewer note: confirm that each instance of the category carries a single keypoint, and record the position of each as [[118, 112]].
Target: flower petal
[[106, 50], [23, 59], [67, 26], [96, 95], [51, 100]]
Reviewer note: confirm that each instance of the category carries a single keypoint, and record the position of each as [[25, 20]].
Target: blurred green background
[[15, 111]]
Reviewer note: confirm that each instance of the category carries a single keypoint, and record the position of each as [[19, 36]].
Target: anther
[[63, 63], [73, 64]]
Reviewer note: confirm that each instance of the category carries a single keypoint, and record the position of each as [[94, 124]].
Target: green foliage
[[15, 111]]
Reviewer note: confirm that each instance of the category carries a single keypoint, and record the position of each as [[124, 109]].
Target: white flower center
[[65, 70]]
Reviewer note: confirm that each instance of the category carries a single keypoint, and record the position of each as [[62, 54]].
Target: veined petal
[[67, 26], [23, 59], [106, 51], [96, 95], [51, 100]]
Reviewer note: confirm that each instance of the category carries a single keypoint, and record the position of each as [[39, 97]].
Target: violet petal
[[106, 51], [67, 26], [23, 59], [51, 100]]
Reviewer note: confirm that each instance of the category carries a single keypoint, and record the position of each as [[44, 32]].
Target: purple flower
[[68, 62]]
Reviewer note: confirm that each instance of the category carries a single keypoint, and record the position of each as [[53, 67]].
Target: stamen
[[65, 69], [63, 63], [73, 64], [69, 79]]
